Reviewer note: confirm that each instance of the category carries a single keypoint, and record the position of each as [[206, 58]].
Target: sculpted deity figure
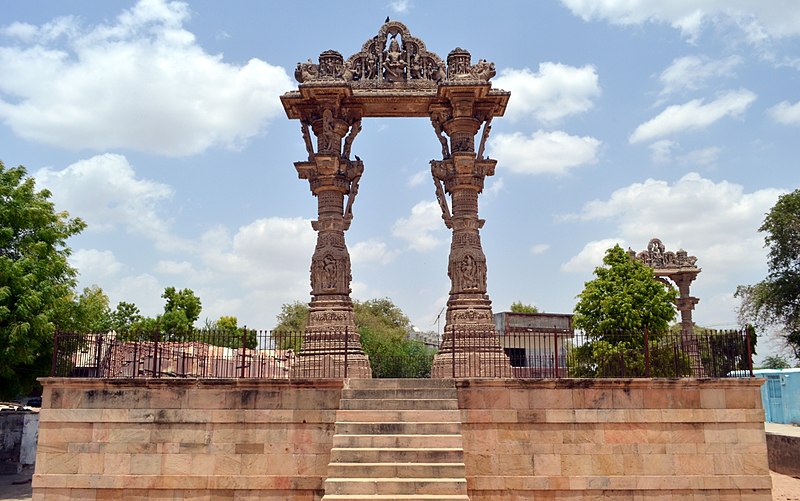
[[393, 63], [416, 67]]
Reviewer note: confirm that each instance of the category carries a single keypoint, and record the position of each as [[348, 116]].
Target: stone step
[[380, 384], [395, 497], [398, 404], [396, 455], [396, 470], [398, 428], [398, 416], [395, 486], [397, 441], [402, 393]]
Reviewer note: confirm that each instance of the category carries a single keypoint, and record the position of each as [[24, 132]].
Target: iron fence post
[[156, 358], [647, 352], [749, 350], [244, 347], [55, 353], [555, 351], [346, 338], [453, 347]]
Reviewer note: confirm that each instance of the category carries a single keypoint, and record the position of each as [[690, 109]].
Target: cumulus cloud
[[717, 222], [423, 229], [758, 20], [105, 192], [786, 113], [269, 252], [693, 72], [591, 256], [554, 92], [371, 252], [543, 152], [696, 114], [140, 82], [95, 266]]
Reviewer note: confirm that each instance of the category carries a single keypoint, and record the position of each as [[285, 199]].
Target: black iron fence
[[542, 353]]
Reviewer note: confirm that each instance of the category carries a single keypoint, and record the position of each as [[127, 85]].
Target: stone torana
[[680, 269], [395, 75]]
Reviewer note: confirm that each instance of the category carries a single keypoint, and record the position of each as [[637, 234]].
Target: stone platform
[[521, 439]]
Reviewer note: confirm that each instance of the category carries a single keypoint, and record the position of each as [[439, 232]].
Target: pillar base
[[332, 352], [471, 352]]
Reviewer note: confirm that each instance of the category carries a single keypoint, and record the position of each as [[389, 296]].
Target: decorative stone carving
[[394, 56], [656, 256]]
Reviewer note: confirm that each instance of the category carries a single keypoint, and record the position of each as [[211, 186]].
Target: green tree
[[613, 310], [89, 312], [383, 328], [125, 317], [775, 362], [519, 307], [775, 301], [35, 278], [292, 318]]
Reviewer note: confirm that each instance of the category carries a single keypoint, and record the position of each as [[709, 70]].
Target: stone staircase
[[397, 439]]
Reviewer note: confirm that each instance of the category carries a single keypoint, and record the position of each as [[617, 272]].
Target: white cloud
[[267, 253], [661, 151], [400, 6], [540, 248], [95, 266], [370, 251], [554, 92], [419, 177], [543, 152], [757, 19], [703, 157], [105, 192], [494, 186], [786, 113], [423, 229], [717, 222], [693, 72], [693, 115], [141, 82], [591, 256], [169, 267]]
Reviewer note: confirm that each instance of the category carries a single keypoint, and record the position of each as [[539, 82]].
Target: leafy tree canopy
[[775, 301], [89, 312], [35, 278], [383, 328], [775, 362], [519, 307], [624, 296]]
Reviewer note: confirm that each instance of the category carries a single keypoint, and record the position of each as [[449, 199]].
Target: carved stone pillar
[[686, 304], [470, 347], [331, 341]]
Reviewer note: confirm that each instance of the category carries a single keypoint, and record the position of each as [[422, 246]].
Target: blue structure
[[780, 395]]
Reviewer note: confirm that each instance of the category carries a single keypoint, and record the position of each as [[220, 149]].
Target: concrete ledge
[[783, 452]]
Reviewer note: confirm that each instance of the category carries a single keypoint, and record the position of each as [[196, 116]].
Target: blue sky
[[159, 123]]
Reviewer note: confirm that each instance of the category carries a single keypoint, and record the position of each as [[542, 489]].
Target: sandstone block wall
[[271, 440], [179, 439], [614, 439]]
